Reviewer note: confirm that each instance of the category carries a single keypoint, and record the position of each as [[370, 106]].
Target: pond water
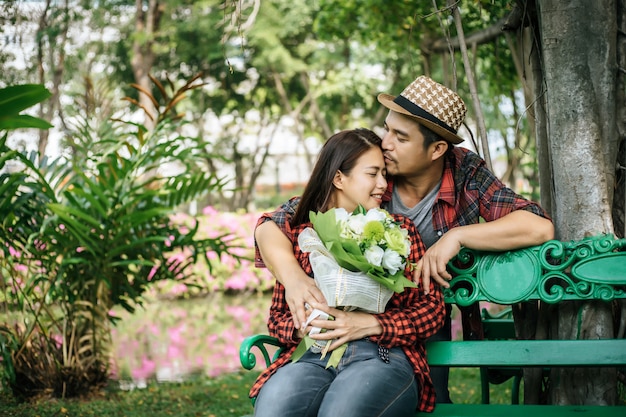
[[173, 340]]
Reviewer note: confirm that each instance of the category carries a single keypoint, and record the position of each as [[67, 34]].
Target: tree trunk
[[51, 43], [619, 202], [143, 55], [530, 40], [532, 320], [580, 86], [578, 43]]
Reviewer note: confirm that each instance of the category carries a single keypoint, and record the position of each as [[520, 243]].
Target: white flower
[[341, 214], [375, 214], [391, 261], [355, 224], [374, 255]]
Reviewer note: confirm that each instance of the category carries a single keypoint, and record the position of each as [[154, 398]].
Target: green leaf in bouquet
[[352, 247], [304, 345], [354, 262], [360, 210], [396, 282], [336, 356], [325, 225], [400, 282]]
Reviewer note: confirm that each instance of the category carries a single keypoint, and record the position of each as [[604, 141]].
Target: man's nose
[[386, 143]]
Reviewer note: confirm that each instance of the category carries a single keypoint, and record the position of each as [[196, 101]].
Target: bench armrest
[[261, 342]]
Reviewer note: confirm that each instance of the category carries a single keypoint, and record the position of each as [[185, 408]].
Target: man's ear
[[439, 149], [338, 180]]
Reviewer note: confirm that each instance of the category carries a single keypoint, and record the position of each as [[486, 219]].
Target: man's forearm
[[277, 252], [518, 229]]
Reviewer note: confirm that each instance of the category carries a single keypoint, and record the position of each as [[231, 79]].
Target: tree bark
[[619, 204], [578, 41], [143, 56], [530, 39], [580, 85], [532, 319]]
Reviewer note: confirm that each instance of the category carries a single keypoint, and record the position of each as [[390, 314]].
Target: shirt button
[[439, 233]]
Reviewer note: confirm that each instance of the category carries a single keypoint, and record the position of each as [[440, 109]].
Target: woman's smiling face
[[364, 184]]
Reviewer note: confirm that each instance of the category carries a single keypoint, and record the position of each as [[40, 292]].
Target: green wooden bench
[[589, 269]]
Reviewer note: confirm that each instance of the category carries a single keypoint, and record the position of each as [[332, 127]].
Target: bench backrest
[[589, 269]]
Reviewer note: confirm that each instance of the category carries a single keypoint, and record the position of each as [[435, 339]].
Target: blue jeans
[[361, 386]]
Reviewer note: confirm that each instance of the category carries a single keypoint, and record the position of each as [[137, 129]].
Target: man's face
[[403, 146]]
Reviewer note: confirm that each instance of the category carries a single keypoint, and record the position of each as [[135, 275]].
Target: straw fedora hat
[[430, 104]]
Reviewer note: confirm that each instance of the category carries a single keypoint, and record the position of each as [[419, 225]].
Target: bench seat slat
[[528, 353], [505, 410]]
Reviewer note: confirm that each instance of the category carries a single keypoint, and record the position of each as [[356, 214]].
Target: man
[[443, 188]]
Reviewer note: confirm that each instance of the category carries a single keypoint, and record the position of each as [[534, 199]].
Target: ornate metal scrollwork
[[587, 269]]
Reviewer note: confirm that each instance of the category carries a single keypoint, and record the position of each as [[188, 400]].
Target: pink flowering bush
[[231, 271], [170, 340]]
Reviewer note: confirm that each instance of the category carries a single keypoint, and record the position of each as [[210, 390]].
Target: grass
[[224, 396]]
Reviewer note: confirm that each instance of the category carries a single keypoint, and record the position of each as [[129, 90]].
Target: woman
[[383, 371]]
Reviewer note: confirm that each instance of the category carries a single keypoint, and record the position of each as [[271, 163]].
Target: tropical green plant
[[15, 99], [81, 238]]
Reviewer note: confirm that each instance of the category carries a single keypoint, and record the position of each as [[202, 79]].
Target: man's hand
[[433, 263], [298, 293]]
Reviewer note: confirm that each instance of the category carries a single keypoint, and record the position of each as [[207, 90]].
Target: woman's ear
[[338, 180]]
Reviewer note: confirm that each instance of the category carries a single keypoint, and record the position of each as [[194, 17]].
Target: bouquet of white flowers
[[358, 258]]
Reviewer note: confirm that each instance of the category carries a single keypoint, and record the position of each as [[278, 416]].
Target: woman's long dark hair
[[340, 153]]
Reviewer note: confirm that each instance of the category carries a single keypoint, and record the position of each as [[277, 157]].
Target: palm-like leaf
[[14, 99], [99, 231]]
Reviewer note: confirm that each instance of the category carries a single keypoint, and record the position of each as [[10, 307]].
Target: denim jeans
[[361, 386]]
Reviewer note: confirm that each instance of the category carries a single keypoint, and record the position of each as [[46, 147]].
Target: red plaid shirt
[[470, 191], [409, 319]]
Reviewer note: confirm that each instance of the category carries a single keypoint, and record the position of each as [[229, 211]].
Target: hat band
[[420, 112]]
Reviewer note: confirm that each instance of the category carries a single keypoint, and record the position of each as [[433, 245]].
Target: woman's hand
[[346, 326]]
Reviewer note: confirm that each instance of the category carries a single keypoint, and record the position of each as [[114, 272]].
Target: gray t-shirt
[[421, 214]]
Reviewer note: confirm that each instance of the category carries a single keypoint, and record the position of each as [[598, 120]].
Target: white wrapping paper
[[342, 288]]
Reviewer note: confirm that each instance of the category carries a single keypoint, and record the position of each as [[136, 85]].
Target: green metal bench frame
[[499, 326], [593, 268]]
